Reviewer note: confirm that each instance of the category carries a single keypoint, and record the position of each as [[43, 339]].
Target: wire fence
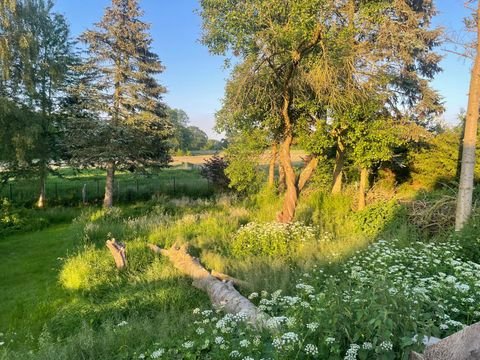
[[90, 191]]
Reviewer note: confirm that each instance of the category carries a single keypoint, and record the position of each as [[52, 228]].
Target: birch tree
[[465, 190]]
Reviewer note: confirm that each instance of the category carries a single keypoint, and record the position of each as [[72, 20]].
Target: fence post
[[84, 194]]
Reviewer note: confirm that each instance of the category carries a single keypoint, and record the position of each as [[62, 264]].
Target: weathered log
[[225, 277], [222, 294], [118, 252], [463, 345]]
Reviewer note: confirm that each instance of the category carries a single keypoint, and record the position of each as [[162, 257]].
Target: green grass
[[66, 189], [29, 281]]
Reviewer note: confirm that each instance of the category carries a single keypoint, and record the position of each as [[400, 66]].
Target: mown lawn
[[29, 285]]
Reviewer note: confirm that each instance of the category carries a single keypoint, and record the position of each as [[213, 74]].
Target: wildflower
[[234, 354], [196, 311], [311, 349], [312, 326], [329, 340], [289, 337], [352, 352], [188, 344], [219, 340], [386, 346], [367, 346], [244, 343], [200, 331], [253, 295], [123, 323], [158, 353]]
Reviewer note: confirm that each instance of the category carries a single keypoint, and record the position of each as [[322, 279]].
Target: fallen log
[[118, 252], [222, 294], [225, 277], [463, 345]]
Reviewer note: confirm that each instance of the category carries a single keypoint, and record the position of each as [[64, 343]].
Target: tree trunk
[[222, 294], [307, 173], [291, 196], [362, 188], [338, 171], [41, 202], [465, 191], [281, 178], [108, 199], [271, 167]]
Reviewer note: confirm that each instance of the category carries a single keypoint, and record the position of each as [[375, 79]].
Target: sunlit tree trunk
[[338, 170], [41, 202], [291, 195], [108, 199], [281, 178], [271, 167], [362, 189], [465, 191]]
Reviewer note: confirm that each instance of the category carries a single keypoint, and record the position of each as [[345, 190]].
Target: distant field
[[297, 156]]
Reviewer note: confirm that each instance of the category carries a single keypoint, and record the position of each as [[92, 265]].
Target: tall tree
[[465, 190], [132, 115], [274, 38], [34, 77]]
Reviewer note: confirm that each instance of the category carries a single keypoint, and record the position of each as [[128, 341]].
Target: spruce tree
[[131, 126]]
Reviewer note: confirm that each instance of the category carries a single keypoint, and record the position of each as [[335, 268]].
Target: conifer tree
[[131, 124]]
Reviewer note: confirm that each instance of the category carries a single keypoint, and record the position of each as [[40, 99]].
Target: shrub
[[271, 239], [214, 171], [469, 239], [373, 219]]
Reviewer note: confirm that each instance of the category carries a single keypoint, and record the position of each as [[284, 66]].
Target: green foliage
[[214, 171], [18, 219], [271, 239], [372, 220], [243, 154], [122, 118], [469, 239]]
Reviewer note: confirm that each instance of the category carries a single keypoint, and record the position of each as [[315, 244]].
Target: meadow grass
[[66, 188], [83, 308]]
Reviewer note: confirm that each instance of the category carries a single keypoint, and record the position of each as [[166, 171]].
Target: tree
[[130, 129], [379, 70], [465, 188], [34, 77], [274, 39], [306, 62]]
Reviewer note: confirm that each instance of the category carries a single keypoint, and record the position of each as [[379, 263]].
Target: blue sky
[[195, 79]]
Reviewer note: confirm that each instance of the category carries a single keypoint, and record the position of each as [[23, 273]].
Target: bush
[[373, 219], [214, 171], [469, 239], [271, 239]]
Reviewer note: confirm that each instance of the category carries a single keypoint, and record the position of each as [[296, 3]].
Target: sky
[[195, 80]]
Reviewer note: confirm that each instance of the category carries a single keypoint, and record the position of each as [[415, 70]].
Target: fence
[[88, 190]]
